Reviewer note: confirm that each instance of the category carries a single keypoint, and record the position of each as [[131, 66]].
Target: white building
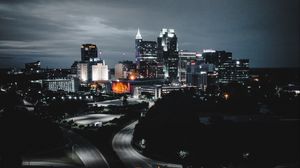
[[120, 71], [66, 84], [82, 71], [99, 72]]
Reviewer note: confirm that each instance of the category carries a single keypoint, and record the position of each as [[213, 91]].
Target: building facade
[[124, 69], [65, 84], [33, 67], [197, 74], [185, 58], [90, 68], [168, 53], [83, 71], [146, 57], [120, 71], [99, 71], [89, 52], [234, 71], [216, 57]]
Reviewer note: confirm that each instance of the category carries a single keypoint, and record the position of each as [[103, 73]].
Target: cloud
[[54, 30]]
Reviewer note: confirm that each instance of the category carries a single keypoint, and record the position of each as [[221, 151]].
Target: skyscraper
[[146, 57], [185, 58], [89, 52], [196, 74], [119, 71], [124, 68], [168, 53], [83, 71], [138, 40], [216, 57], [91, 68]]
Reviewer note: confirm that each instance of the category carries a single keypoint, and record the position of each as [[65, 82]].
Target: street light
[[226, 96]]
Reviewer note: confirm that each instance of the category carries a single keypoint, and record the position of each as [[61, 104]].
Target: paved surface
[[88, 154], [129, 156], [48, 163], [116, 102], [80, 154], [93, 118]]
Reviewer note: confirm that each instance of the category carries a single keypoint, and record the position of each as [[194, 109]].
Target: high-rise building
[[138, 40], [185, 58], [90, 68], [197, 74], [168, 53], [216, 57], [119, 71], [99, 71], [92, 71], [234, 71], [83, 71], [146, 57], [88, 52], [124, 68]]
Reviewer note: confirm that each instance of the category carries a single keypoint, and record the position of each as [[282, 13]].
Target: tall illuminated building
[[120, 71], [216, 57], [227, 69], [91, 68], [138, 40], [146, 57], [197, 74], [83, 71], [124, 69], [89, 52], [99, 71], [168, 53], [185, 58]]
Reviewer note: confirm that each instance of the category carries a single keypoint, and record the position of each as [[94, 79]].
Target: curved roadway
[[83, 150], [88, 154], [129, 156]]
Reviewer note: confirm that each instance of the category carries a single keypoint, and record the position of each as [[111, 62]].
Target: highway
[[87, 153], [93, 118], [80, 154], [115, 102], [129, 156], [48, 163]]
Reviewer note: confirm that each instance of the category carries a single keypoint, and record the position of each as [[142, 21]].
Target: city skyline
[[265, 32]]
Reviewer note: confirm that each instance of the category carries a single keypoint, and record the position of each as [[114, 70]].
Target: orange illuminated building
[[120, 87]]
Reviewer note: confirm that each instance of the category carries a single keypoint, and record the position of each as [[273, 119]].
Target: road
[[115, 102], [47, 163], [88, 154], [93, 118], [129, 156], [80, 152]]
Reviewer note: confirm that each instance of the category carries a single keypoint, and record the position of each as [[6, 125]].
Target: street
[[93, 118], [129, 156]]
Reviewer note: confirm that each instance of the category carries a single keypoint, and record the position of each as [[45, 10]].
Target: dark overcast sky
[[265, 31]]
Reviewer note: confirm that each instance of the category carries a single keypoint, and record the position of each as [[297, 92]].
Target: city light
[[226, 96], [132, 77], [120, 87]]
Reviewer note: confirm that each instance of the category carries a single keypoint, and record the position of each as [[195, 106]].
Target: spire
[[138, 35]]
